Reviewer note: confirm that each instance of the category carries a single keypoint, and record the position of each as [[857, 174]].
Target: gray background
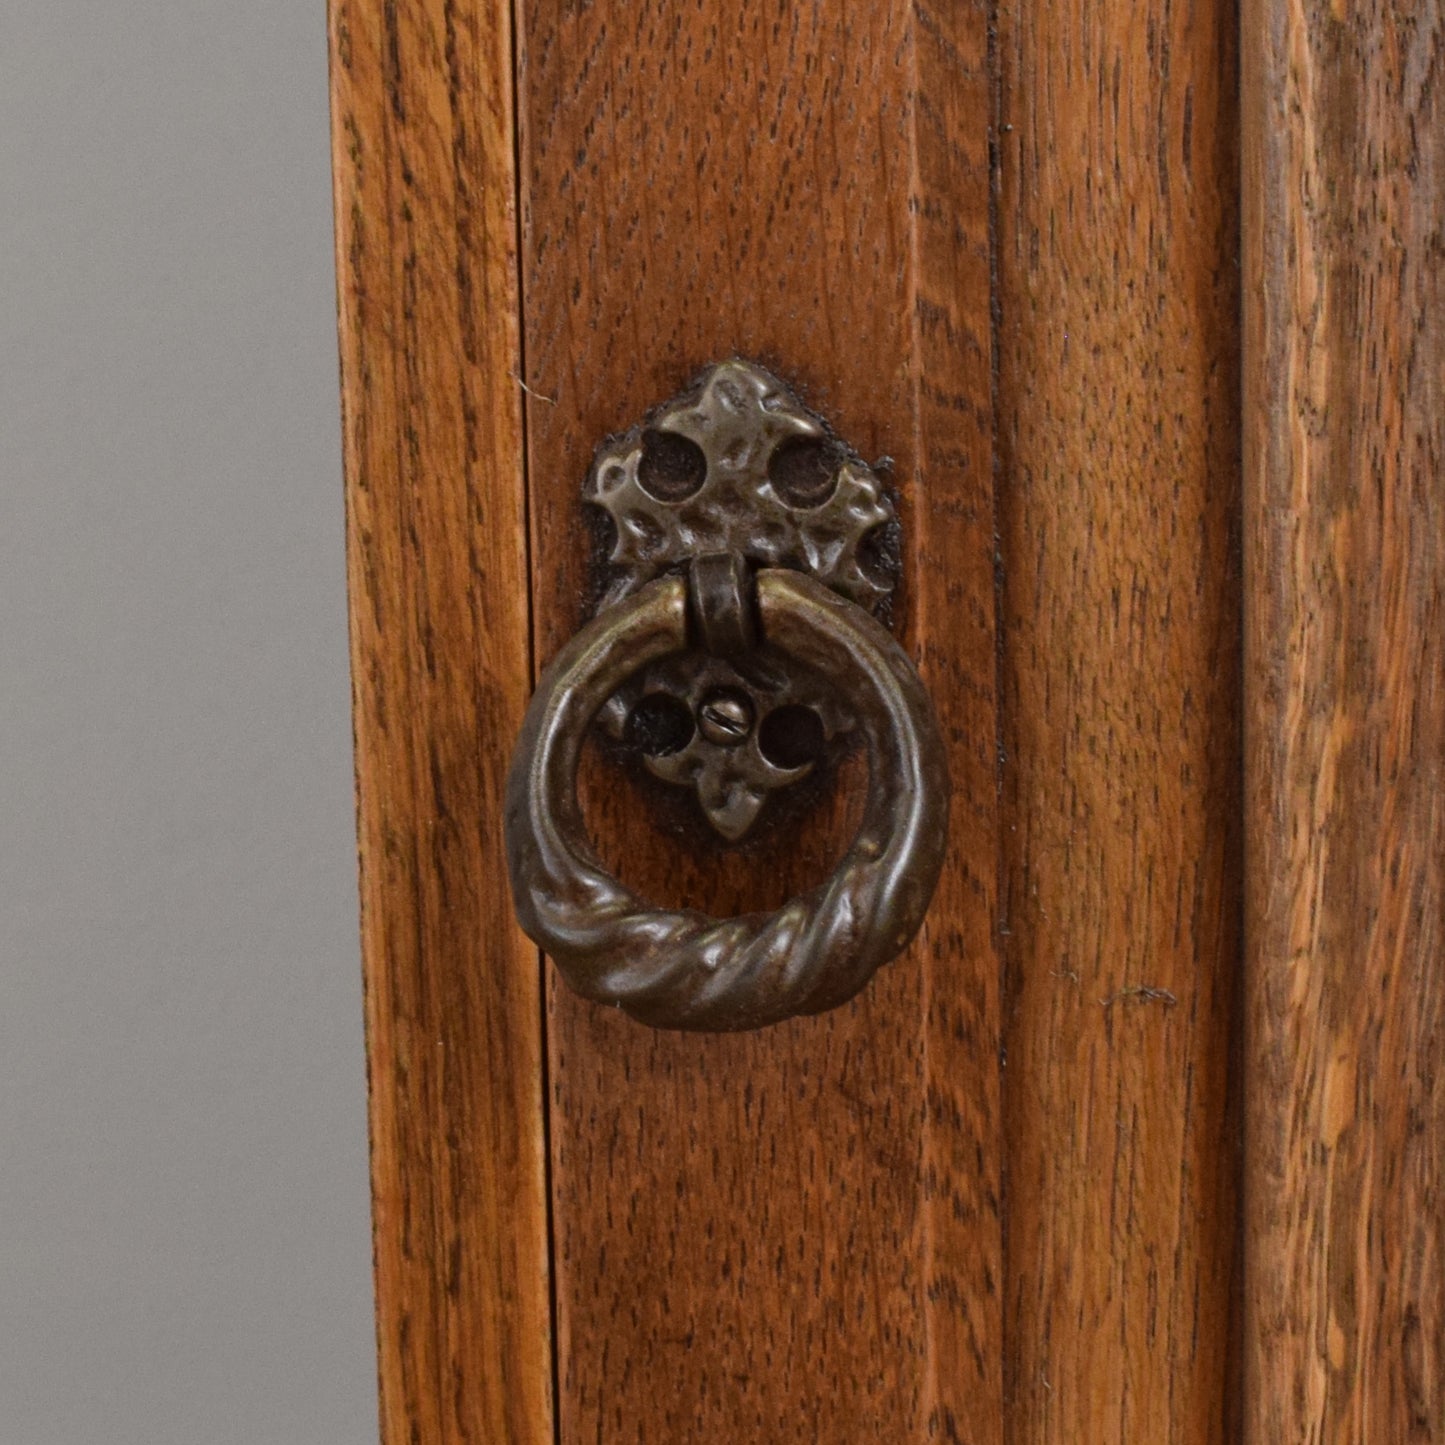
[[184, 1241]]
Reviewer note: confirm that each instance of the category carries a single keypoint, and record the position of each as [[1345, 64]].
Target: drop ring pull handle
[[682, 969]]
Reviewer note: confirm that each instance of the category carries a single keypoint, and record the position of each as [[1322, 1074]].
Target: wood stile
[[1119, 492], [424, 160], [1344, 205]]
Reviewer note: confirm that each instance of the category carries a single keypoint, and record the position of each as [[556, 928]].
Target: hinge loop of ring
[[722, 604]]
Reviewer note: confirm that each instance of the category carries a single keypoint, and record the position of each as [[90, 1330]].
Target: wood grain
[[1344, 183], [791, 1236], [423, 130], [1119, 491]]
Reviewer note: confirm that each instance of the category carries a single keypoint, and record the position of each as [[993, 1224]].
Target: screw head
[[725, 718]]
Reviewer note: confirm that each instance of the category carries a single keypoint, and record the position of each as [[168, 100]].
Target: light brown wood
[[791, 1236], [1344, 185], [996, 1199], [1119, 489], [427, 265]]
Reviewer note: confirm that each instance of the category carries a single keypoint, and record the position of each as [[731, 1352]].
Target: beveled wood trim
[[1344, 345], [424, 163]]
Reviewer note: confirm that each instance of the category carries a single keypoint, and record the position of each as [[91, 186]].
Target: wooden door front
[[1122, 1149]]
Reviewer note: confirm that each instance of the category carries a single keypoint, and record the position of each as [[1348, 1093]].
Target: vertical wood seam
[[544, 1051]]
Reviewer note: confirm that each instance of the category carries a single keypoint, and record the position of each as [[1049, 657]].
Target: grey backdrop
[[184, 1242]]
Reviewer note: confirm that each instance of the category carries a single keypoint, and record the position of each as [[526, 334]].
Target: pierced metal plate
[[733, 732], [736, 463]]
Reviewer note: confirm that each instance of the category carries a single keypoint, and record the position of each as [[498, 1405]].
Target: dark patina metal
[[732, 475], [737, 464], [739, 609]]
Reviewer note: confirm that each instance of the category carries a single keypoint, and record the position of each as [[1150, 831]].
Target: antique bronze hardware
[[741, 592]]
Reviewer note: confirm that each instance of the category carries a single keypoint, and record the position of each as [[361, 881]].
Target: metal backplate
[[737, 464]]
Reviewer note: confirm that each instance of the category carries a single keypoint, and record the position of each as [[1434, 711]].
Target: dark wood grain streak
[[951, 520], [426, 257], [1118, 448], [1344, 184], [792, 1236]]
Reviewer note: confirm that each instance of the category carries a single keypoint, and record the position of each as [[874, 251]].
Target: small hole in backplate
[[879, 553], [791, 736], [602, 543], [672, 467], [804, 470], [659, 725]]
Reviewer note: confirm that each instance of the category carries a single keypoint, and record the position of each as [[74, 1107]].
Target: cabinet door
[[1008, 1193]]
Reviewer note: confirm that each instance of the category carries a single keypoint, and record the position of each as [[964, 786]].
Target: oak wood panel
[[792, 1235], [1344, 184], [424, 164], [1119, 490]]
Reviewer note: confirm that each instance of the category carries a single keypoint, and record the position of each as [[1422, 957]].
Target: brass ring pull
[[683, 969]]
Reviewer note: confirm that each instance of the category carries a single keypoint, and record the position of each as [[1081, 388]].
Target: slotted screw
[[725, 719]]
